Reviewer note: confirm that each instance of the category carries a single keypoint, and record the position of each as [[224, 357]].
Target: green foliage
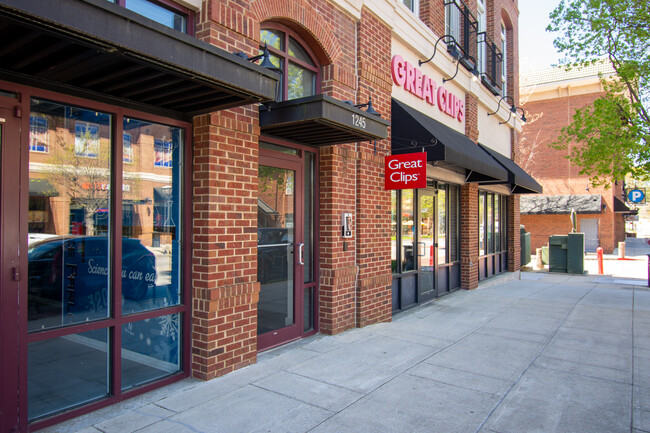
[[615, 131]]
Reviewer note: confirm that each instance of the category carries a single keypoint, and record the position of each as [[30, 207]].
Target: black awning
[[94, 48], [321, 120], [413, 131], [620, 207], [41, 188], [520, 181], [560, 204]]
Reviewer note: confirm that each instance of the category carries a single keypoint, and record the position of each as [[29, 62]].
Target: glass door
[[427, 245], [280, 250], [11, 272]]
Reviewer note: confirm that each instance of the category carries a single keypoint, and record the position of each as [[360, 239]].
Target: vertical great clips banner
[[408, 171]]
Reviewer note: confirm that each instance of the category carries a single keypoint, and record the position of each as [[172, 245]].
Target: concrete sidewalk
[[547, 353]]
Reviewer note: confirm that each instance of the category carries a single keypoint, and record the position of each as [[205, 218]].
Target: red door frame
[[281, 160], [10, 236], [15, 178]]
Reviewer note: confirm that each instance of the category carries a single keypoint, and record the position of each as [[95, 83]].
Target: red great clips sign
[[424, 87], [408, 171]]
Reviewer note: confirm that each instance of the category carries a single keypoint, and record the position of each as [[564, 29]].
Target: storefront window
[[491, 223], [442, 224], [453, 230], [293, 57], [75, 276], [497, 218], [407, 230], [152, 250], [70, 209]]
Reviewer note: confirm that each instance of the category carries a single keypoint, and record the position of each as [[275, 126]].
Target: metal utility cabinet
[[567, 253]]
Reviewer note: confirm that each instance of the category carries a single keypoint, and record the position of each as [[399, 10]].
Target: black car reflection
[[70, 275]]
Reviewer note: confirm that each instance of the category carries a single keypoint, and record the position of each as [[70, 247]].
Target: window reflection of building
[[293, 57]]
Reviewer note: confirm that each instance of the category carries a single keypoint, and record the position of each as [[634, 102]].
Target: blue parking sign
[[636, 196]]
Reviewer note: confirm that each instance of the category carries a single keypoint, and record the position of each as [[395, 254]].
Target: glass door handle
[[421, 249], [301, 250]]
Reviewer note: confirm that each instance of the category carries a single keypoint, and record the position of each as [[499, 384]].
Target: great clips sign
[[424, 87], [408, 171]]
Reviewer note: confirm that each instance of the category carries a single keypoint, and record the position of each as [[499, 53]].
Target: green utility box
[[575, 253], [557, 253], [525, 246], [566, 253], [545, 255]]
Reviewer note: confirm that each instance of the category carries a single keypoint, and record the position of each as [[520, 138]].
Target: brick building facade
[[267, 125], [552, 97]]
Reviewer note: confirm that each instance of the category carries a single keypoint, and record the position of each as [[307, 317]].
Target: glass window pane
[[301, 82], [453, 232], [275, 249], [158, 13], [497, 228], [150, 349], [295, 50], [308, 249], [481, 223], [393, 231], [407, 231], [273, 38], [490, 223], [68, 253], [65, 372], [151, 217], [442, 225]]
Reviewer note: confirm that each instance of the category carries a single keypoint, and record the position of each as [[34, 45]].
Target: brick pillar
[[373, 206], [514, 219], [224, 262], [336, 303], [469, 236], [514, 244], [471, 116]]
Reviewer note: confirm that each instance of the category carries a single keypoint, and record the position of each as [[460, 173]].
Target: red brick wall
[[373, 204], [558, 175], [224, 272], [432, 13], [469, 236], [225, 290], [514, 234]]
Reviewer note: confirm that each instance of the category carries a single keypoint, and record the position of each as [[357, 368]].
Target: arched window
[[299, 68]]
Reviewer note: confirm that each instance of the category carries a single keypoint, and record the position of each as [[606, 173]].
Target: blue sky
[[536, 50]]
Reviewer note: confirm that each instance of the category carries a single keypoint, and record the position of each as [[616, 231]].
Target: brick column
[[224, 262], [514, 244], [469, 236], [374, 297], [336, 304]]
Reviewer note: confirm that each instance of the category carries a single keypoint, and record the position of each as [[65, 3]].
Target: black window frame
[[171, 6]]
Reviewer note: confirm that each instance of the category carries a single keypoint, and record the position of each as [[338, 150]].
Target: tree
[[615, 131]]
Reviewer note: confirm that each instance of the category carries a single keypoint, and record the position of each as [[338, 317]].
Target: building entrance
[[285, 245]]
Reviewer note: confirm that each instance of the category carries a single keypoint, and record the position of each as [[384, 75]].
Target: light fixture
[[266, 59], [368, 104], [512, 107], [523, 115], [453, 50]]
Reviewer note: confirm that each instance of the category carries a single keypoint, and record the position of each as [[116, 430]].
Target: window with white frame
[[482, 27], [38, 138], [413, 5], [86, 139], [452, 20], [504, 61]]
